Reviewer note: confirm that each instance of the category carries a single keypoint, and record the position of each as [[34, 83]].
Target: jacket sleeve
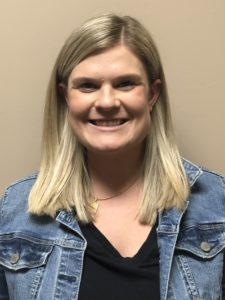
[[3, 286]]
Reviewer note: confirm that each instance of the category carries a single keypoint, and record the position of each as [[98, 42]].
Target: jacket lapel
[[168, 230]]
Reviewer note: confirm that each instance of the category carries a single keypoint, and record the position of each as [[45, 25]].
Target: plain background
[[190, 36]]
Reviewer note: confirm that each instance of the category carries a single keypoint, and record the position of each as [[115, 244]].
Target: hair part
[[63, 181]]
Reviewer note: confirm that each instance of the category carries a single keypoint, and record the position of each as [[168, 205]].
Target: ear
[[154, 93], [62, 89]]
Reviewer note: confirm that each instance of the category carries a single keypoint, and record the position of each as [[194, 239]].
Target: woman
[[114, 212]]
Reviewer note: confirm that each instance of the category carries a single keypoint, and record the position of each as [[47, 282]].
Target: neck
[[111, 173]]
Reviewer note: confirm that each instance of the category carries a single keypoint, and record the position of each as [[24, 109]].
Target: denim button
[[14, 258], [205, 246]]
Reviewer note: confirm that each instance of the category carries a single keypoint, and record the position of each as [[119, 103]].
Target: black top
[[108, 275]]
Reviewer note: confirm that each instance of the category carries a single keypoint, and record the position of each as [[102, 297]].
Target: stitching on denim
[[205, 169], [36, 283], [187, 276], [3, 202], [223, 185], [30, 177]]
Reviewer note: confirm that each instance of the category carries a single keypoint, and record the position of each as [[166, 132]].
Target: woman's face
[[110, 100]]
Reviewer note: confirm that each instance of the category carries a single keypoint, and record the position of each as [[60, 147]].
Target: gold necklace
[[95, 200]]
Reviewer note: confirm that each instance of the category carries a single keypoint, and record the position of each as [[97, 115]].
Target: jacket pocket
[[20, 251], [199, 256], [204, 240]]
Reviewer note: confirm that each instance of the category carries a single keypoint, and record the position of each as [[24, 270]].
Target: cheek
[[72, 123], [140, 111], [75, 116], [76, 126], [145, 122], [77, 108], [137, 102]]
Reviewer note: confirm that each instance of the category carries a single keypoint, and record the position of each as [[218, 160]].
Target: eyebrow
[[133, 77]]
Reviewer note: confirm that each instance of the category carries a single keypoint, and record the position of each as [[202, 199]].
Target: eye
[[87, 87], [125, 85]]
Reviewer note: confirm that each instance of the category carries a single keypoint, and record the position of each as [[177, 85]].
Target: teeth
[[108, 122]]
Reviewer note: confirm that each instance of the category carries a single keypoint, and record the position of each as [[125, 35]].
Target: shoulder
[[23, 184], [207, 192], [16, 196], [199, 174], [16, 221]]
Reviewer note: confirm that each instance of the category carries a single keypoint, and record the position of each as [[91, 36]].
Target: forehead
[[112, 62]]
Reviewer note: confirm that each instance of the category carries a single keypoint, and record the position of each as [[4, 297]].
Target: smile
[[108, 123]]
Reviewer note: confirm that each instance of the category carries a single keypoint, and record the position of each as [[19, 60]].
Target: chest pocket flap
[[203, 240], [22, 251]]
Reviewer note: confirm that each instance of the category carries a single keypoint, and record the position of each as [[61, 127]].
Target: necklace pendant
[[94, 204]]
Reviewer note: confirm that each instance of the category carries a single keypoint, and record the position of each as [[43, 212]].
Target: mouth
[[108, 123]]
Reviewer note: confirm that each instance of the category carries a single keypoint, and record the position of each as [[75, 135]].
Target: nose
[[107, 99]]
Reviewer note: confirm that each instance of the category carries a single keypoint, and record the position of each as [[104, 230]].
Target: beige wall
[[191, 38]]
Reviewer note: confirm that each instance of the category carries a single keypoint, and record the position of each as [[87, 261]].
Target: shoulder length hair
[[63, 181]]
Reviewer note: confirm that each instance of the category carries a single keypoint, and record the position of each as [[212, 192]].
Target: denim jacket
[[42, 258]]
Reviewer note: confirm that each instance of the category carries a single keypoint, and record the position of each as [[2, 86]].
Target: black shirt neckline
[[108, 275], [148, 245]]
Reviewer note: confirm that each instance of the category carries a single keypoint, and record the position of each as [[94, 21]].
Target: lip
[[108, 124]]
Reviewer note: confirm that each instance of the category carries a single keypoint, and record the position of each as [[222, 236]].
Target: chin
[[102, 145], [110, 149], [105, 150]]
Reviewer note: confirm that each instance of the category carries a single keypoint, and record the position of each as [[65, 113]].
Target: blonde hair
[[63, 181]]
